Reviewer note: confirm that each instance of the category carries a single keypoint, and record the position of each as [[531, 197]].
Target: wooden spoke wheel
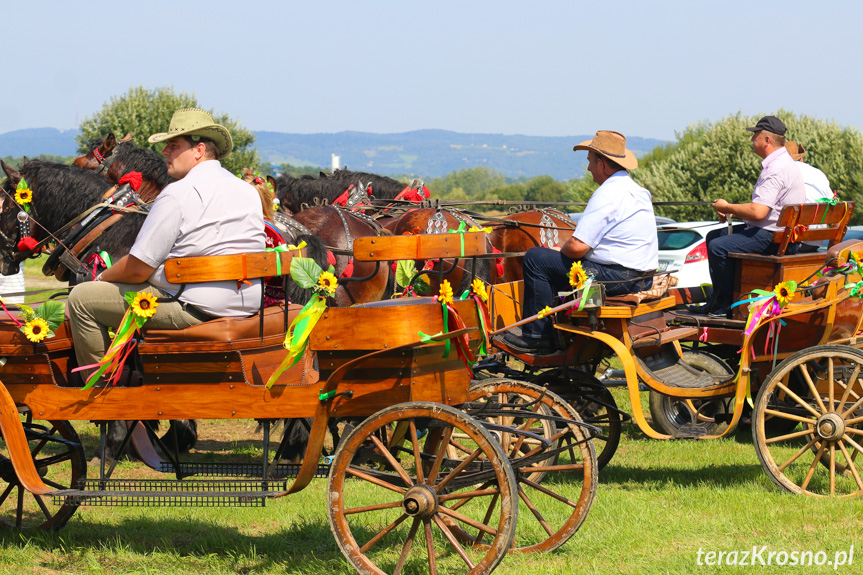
[[818, 456], [396, 499], [596, 406], [670, 414], [60, 461], [557, 478]]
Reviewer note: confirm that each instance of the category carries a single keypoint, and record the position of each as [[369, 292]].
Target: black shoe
[[534, 346], [702, 309], [722, 312]]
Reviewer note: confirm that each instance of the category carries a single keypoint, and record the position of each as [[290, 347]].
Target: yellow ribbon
[[298, 335]]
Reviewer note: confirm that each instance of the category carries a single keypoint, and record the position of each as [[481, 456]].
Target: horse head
[[99, 157], [10, 225]]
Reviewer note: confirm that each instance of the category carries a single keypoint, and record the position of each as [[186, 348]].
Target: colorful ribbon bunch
[[142, 306]]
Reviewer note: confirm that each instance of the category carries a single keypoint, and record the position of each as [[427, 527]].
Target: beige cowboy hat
[[196, 122], [796, 150], [612, 145]]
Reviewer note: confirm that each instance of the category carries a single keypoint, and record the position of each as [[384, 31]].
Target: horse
[[116, 159], [521, 231], [441, 221], [294, 194]]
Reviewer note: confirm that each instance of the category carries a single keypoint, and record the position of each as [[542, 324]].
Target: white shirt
[[816, 182], [210, 212], [619, 225], [778, 185]]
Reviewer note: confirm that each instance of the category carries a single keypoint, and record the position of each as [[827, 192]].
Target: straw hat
[[196, 122], [796, 150], [612, 145]]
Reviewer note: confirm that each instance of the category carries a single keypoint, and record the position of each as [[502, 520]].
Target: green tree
[[472, 181], [142, 112], [715, 160], [546, 189]]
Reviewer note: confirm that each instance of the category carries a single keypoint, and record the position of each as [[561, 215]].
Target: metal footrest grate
[[278, 471], [171, 493]]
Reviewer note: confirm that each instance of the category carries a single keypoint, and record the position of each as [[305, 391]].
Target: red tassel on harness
[[133, 178], [27, 244], [349, 269], [498, 262], [331, 259], [343, 199]]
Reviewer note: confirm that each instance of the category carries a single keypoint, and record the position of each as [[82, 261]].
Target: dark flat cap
[[771, 124]]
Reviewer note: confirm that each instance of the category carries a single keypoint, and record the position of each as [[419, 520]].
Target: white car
[[683, 247]]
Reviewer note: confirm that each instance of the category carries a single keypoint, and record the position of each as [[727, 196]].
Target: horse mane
[[60, 191], [144, 160], [294, 192], [383, 188]]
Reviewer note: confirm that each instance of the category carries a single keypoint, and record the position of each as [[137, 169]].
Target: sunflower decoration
[[784, 292], [36, 329], [577, 275], [307, 274], [144, 305], [23, 194], [327, 283], [40, 323], [445, 295], [478, 287]]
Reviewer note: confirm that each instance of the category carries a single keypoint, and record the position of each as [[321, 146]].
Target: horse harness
[[85, 229]]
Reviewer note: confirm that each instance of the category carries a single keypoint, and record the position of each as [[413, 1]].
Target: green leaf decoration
[[305, 272], [422, 286], [332, 270], [53, 312], [130, 296], [22, 185], [405, 271]]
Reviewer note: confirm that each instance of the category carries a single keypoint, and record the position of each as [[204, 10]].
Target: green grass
[[658, 503]]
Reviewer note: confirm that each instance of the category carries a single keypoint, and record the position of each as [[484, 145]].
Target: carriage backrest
[[420, 247], [812, 222], [237, 267]]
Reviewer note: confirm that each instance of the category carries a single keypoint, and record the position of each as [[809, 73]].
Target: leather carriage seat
[[228, 329]]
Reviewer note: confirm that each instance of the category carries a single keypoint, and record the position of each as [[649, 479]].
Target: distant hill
[[427, 153]]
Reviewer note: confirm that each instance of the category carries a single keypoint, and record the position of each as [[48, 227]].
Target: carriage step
[[171, 493], [278, 471], [690, 431]]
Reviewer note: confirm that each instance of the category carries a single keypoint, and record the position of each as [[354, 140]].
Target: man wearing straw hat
[[615, 240], [779, 184], [207, 212]]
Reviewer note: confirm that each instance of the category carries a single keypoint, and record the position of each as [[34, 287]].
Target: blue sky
[[544, 68]]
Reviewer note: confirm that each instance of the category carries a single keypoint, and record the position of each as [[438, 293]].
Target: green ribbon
[[856, 289], [281, 248], [585, 295], [462, 228], [322, 397], [831, 201], [425, 338], [106, 257]]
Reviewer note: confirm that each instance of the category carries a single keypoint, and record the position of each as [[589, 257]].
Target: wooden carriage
[[393, 368]]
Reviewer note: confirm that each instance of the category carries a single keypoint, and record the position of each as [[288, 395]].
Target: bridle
[[104, 162]]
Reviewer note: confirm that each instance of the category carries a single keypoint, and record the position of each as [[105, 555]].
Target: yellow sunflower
[[784, 293], [577, 275], [328, 283], [479, 289], [544, 312], [36, 329], [445, 295], [144, 304], [24, 196]]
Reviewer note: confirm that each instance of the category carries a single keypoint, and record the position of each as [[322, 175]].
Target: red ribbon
[[133, 178]]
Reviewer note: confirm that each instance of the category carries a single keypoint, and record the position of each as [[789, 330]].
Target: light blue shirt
[[779, 184], [619, 225], [210, 212]]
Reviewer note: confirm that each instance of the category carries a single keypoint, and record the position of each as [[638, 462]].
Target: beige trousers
[[94, 307]]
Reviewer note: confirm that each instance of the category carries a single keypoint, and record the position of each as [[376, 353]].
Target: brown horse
[[114, 159], [338, 228], [524, 230], [442, 221]]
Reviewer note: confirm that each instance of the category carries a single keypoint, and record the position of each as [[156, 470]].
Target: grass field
[[658, 505]]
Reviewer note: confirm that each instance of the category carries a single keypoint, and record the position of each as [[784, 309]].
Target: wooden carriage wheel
[[556, 483], [394, 495], [817, 457], [60, 462], [596, 406]]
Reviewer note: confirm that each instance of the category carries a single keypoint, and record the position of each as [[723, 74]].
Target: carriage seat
[[661, 285], [404, 301], [232, 330]]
